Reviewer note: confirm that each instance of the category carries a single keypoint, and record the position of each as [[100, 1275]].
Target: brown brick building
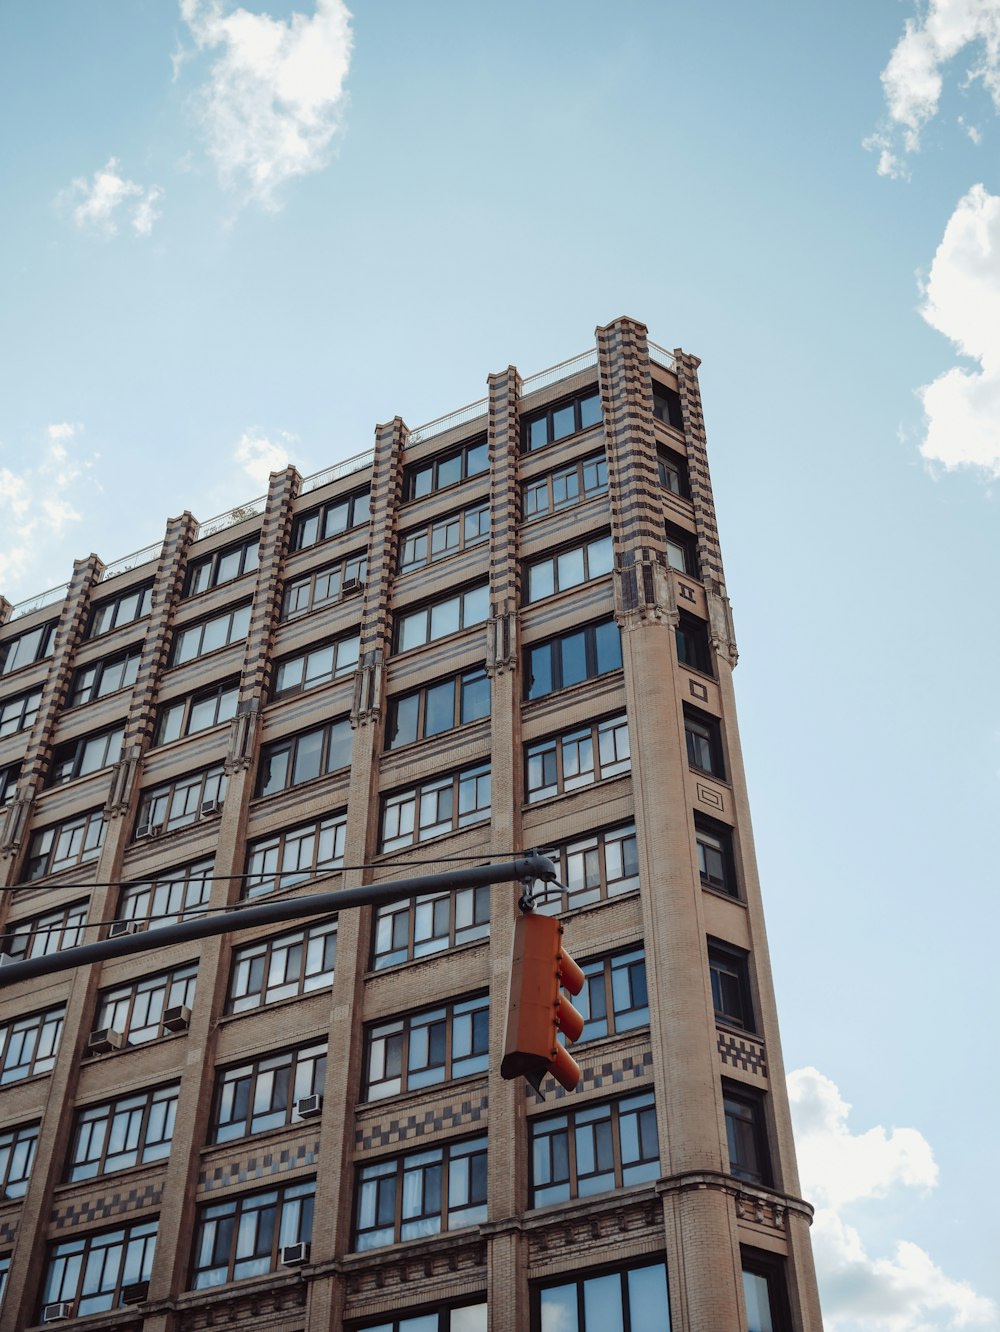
[[508, 629]]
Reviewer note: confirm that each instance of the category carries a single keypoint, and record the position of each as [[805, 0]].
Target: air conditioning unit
[[104, 1040], [119, 928], [306, 1107], [148, 830], [210, 807], [177, 1018], [136, 1293], [294, 1255], [350, 585], [55, 1313]]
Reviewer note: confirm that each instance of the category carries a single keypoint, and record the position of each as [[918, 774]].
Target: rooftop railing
[[442, 423], [337, 471], [249, 509], [53, 595], [130, 562], [661, 356], [564, 370]]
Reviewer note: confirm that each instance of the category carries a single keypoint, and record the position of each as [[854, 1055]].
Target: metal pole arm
[[530, 866]]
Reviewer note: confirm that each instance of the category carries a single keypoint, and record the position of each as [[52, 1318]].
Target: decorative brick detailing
[[609, 1228], [242, 732], [123, 780], [80, 1212], [387, 489], [432, 1119], [710, 795], [445, 1260], [742, 1052], [501, 643], [249, 1168], [367, 702], [274, 1308], [8, 1228], [698, 690], [505, 498], [762, 1211], [644, 590], [613, 1072], [709, 553], [15, 821], [275, 534]]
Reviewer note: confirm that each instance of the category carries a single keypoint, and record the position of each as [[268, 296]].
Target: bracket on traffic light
[[537, 1010]]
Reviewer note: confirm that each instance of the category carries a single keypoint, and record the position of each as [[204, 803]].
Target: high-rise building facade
[[506, 630]]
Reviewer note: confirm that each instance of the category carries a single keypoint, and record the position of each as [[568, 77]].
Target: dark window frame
[[448, 791], [83, 691], [316, 597], [10, 775], [693, 644], [732, 995], [68, 758], [770, 1268], [745, 1110], [590, 551], [472, 1150], [534, 438], [716, 855], [21, 709], [39, 864], [226, 694], [403, 1321], [238, 626], [672, 471], [140, 593], [617, 972], [62, 927], [574, 483], [562, 1162], [256, 964], [407, 615], [141, 1234], [432, 923], [291, 1226], [172, 896], [214, 562], [18, 1145], [682, 551], [703, 742], [132, 1116], [178, 804], [667, 406], [281, 842], [349, 643], [462, 520], [590, 852], [279, 759], [577, 1282], [600, 638], [473, 460], [45, 1020], [11, 650], [394, 1046], [553, 767], [357, 514], [178, 985], [241, 1090], [459, 683]]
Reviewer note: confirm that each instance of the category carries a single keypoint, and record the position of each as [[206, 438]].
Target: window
[[92, 1272], [681, 551], [435, 807], [243, 1236], [222, 566], [104, 677], [579, 655], [79, 758], [261, 1095], [693, 649], [323, 586], [26, 648], [593, 868], [614, 997], [746, 1135], [716, 862], [673, 472], [730, 975], [28, 1044], [196, 640], [17, 1153], [566, 485], [625, 1300], [9, 774], [561, 420], [286, 858], [17, 714], [703, 736], [422, 1049], [300, 758], [316, 667], [462, 1318], [197, 712], [135, 1010], [172, 896], [444, 536], [424, 478], [764, 1292], [667, 406], [49, 933], [570, 567], [282, 966], [330, 519], [437, 707], [126, 1132], [66, 844], [5, 1273], [578, 758], [421, 1193], [441, 618], [121, 610], [594, 1149], [430, 924], [179, 804]]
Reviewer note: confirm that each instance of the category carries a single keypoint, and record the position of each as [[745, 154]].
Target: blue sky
[[236, 236]]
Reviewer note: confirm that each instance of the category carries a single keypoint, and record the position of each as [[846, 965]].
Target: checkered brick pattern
[[250, 1168], [109, 1205], [275, 534], [8, 1230], [741, 1053], [596, 1077], [432, 1119], [505, 492]]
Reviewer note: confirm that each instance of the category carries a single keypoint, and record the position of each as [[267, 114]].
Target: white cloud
[[259, 456], [36, 502], [962, 301], [272, 102], [861, 1292], [100, 204], [912, 81]]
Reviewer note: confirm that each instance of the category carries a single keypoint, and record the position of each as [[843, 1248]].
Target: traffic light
[[536, 1010]]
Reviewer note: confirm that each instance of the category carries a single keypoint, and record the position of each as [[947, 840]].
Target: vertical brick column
[[335, 1186], [705, 1282], [508, 1149]]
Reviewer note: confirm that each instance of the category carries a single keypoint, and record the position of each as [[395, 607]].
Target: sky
[[237, 236]]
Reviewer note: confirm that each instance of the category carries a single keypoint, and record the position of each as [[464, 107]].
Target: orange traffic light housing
[[536, 1009]]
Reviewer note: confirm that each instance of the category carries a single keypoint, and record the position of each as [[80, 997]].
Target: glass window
[[324, 587], [667, 406], [223, 566], [330, 519], [121, 610], [439, 806], [594, 1149], [296, 854], [28, 1044], [196, 640], [614, 997], [90, 753], [746, 1134], [424, 478], [300, 758], [25, 649], [578, 655], [590, 869], [716, 861], [567, 485], [681, 551], [48, 933], [421, 1193], [172, 896], [672, 470], [561, 420], [17, 714], [462, 1318], [422, 1049], [317, 667], [104, 677], [441, 618], [181, 803], [626, 1300], [437, 707], [730, 974], [243, 1236], [126, 1132], [9, 774], [693, 647], [197, 712], [703, 736], [261, 1094], [135, 1010], [430, 924], [65, 845], [570, 567], [283, 966], [578, 758], [764, 1292], [92, 1271], [17, 1155], [444, 536]]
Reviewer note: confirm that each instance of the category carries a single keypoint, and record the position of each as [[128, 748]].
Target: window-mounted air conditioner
[[210, 807], [119, 928], [350, 586], [104, 1040], [308, 1106], [55, 1313], [135, 1293], [294, 1255], [177, 1018], [148, 830]]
